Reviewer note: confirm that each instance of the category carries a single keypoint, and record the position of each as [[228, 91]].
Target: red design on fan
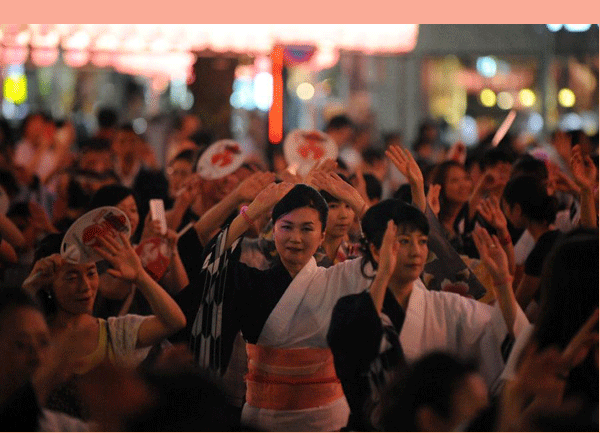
[[310, 145], [110, 223], [225, 157]]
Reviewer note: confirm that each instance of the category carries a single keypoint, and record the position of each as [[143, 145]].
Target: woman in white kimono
[[283, 312], [363, 325]]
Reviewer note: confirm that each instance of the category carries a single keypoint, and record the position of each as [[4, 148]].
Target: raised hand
[[125, 261], [433, 198], [389, 249], [267, 198], [253, 185], [386, 263], [340, 189], [489, 209], [493, 256], [43, 273], [324, 166], [405, 163], [583, 168]]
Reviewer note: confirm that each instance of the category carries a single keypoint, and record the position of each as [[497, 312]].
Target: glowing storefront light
[[527, 97], [535, 123], [15, 89], [566, 98], [168, 50], [487, 66], [505, 100], [305, 91], [487, 98]]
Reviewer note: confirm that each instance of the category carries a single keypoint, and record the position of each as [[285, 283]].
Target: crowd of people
[[430, 287]]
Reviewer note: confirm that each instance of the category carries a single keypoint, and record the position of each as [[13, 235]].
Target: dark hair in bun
[[374, 223], [301, 196]]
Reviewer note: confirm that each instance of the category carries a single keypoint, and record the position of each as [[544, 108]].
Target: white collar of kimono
[[279, 322]]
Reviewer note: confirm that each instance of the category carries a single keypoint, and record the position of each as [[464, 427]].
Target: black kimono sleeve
[[366, 351]]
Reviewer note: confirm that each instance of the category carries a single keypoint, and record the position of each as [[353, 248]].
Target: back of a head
[[429, 382], [527, 165], [569, 287], [569, 295], [12, 298], [532, 196]]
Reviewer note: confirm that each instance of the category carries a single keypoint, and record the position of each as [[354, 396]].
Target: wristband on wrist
[[247, 218]]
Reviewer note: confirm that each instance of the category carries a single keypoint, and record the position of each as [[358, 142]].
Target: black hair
[[9, 182], [188, 155], [94, 144], [391, 136], [48, 245], [338, 122], [495, 156], [301, 196], [527, 165], [371, 155], [110, 195], [429, 382], [531, 195], [107, 117], [341, 164], [374, 223], [569, 295], [12, 298], [374, 189]]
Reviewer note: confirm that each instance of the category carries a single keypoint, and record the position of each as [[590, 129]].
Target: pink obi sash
[[291, 379]]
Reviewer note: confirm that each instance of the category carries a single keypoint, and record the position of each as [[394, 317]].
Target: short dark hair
[[110, 195], [374, 188], [531, 195], [495, 156], [14, 297], [430, 382], [301, 196], [374, 223], [95, 145], [527, 165]]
